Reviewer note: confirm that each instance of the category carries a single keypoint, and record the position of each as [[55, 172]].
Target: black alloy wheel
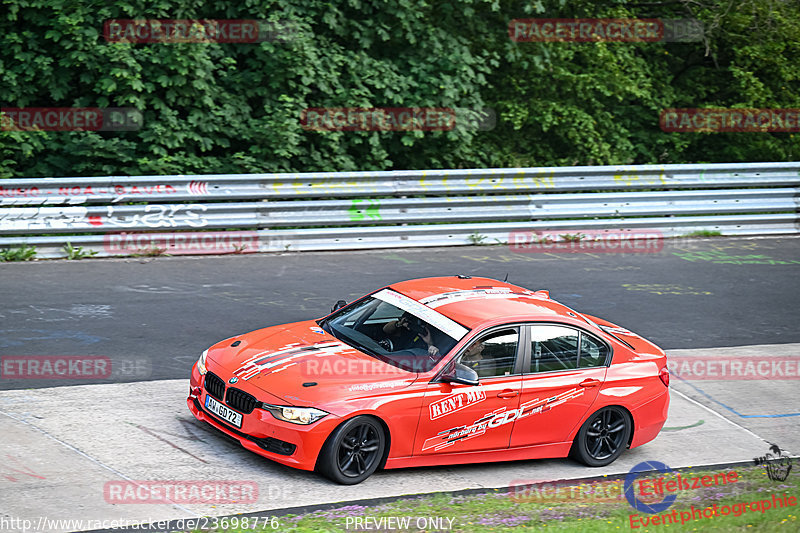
[[353, 451], [603, 437]]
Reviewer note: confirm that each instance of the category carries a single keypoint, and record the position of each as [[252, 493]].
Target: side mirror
[[338, 305], [463, 375]]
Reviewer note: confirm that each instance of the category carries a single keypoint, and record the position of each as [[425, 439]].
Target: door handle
[[508, 393], [591, 382]]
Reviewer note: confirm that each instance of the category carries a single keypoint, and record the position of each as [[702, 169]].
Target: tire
[[353, 451], [603, 437]]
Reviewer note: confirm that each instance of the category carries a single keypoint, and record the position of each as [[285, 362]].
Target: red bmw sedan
[[435, 371]]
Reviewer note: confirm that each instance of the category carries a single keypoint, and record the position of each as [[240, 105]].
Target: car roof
[[472, 301]]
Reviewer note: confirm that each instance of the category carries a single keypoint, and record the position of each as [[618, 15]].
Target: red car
[[435, 371]]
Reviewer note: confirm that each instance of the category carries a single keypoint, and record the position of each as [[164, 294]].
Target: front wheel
[[353, 451], [603, 437]]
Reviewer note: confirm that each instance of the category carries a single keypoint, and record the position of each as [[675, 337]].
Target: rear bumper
[[649, 418], [290, 444]]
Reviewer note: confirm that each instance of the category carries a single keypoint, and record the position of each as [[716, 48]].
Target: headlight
[[295, 415], [201, 363]]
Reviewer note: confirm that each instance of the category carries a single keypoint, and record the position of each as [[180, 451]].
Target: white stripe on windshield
[[435, 319]]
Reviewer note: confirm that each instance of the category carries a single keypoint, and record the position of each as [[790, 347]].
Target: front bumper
[[290, 444]]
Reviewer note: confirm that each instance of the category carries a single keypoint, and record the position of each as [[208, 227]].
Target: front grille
[[276, 446], [215, 386], [240, 400], [268, 443]]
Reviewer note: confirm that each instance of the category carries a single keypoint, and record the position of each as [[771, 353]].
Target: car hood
[[286, 360]]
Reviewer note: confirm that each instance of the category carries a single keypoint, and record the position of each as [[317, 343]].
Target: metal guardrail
[[358, 210]]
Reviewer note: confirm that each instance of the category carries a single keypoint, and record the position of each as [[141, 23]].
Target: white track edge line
[[719, 415]]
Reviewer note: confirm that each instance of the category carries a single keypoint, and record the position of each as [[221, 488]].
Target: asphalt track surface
[[154, 316]]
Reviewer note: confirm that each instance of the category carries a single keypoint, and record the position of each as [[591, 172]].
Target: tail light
[[664, 375]]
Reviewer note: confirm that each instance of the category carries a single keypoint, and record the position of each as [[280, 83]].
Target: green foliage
[[21, 253], [599, 103], [704, 233], [476, 238], [77, 252], [236, 108], [572, 237]]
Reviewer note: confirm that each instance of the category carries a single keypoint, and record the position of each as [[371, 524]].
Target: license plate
[[224, 412]]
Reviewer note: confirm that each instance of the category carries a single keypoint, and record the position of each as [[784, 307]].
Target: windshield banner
[[435, 319]]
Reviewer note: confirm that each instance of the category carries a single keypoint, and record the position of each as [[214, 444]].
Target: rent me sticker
[[456, 402]]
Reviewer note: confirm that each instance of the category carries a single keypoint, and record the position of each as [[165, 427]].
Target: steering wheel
[[386, 344]]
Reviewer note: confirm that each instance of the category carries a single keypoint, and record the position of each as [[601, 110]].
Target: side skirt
[[542, 451]]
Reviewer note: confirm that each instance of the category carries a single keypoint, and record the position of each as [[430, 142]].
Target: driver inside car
[[408, 332], [474, 359]]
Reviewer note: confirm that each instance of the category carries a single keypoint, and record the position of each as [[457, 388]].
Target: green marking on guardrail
[[360, 212]]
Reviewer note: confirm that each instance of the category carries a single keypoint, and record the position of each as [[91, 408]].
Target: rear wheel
[[603, 437], [353, 451]]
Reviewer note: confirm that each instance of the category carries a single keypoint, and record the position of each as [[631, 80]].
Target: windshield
[[392, 334]]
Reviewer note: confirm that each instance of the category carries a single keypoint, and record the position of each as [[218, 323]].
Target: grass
[[476, 238], [21, 253], [572, 237], [592, 507], [704, 233], [73, 252]]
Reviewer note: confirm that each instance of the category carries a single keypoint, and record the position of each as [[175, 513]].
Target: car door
[[564, 368], [464, 418]]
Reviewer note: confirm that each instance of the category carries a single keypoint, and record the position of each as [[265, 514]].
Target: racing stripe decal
[[498, 418], [266, 362]]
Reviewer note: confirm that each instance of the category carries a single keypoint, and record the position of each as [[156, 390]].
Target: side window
[[493, 354], [593, 352], [553, 348]]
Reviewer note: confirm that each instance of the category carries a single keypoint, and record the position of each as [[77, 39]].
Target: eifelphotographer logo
[[777, 464]]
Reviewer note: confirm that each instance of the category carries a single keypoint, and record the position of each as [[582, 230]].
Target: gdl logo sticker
[[642, 468]]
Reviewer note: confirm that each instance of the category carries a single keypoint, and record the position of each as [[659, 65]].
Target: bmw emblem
[[234, 379]]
